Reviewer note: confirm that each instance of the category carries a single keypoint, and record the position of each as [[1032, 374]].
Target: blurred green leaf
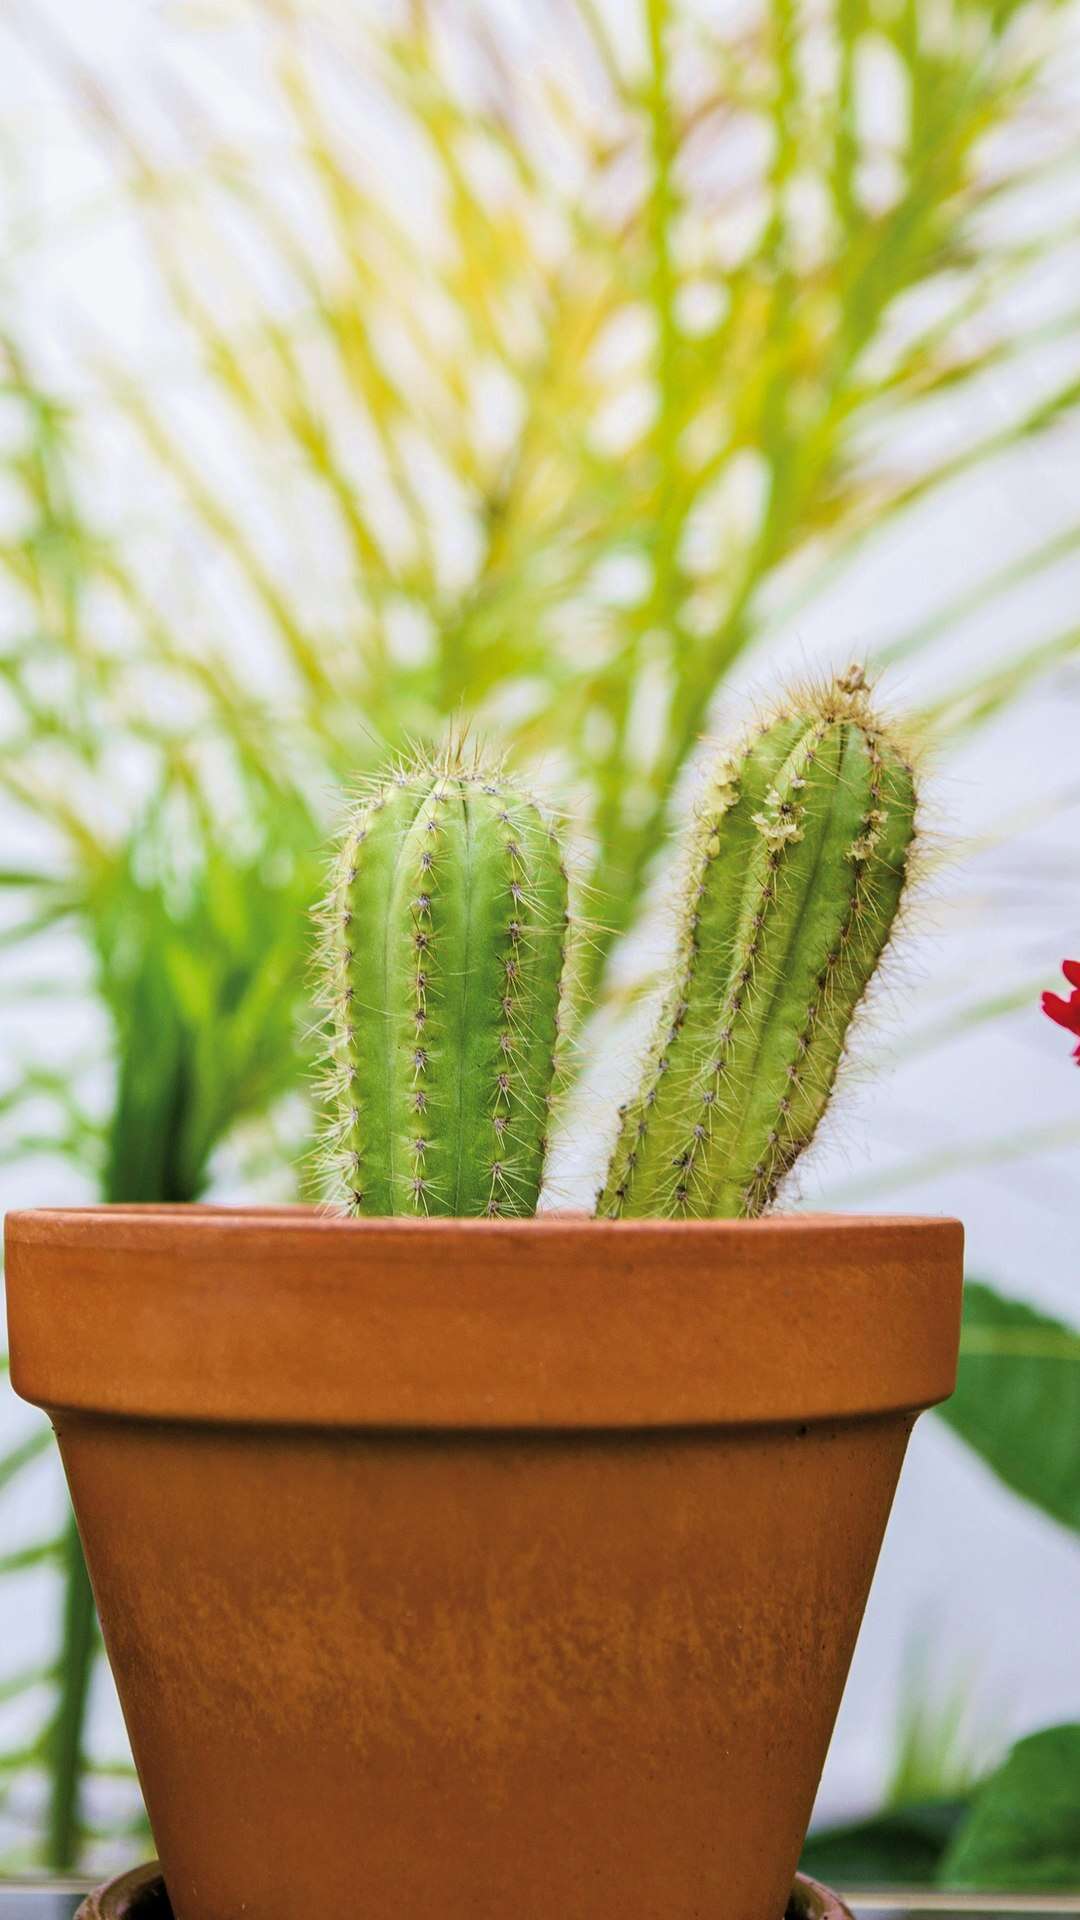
[[14, 1684], [973, 1013], [1017, 1401], [25, 1559], [204, 973], [1023, 1831], [19, 1456], [899, 1847], [1021, 1144], [939, 1744]]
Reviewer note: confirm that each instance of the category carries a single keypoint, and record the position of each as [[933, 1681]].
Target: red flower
[[1066, 1012]]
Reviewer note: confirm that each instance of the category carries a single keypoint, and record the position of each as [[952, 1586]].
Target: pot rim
[[191, 1214], [296, 1317]]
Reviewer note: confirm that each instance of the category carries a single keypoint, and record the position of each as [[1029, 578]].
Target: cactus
[[794, 874], [444, 942]]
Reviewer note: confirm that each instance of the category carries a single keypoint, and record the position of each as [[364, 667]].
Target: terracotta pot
[[141, 1896], [468, 1568]]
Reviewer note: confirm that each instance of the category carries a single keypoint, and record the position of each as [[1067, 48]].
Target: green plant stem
[[80, 1643]]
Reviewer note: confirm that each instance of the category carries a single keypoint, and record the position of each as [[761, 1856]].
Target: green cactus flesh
[[794, 875], [444, 942]]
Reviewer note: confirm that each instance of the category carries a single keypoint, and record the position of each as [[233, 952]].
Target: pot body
[[480, 1570]]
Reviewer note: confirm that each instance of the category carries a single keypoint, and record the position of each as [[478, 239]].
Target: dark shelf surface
[[42, 1900]]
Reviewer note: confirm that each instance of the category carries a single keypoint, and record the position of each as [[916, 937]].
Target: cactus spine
[[444, 942], [794, 875]]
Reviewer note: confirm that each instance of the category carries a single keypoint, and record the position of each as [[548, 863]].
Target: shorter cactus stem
[[444, 946], [794, 874]]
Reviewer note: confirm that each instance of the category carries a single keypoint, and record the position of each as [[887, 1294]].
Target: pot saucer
[[141, 1895], [138, 1895]]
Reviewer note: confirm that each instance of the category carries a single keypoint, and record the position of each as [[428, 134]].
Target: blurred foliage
[[1017, 1831], [899, 1847], [1018, 1400], [937, 1752], [205, 1004], [642, 341], [1023, 1831], [533, 372]]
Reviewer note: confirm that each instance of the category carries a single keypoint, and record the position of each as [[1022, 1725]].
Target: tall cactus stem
[[793, 879]]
